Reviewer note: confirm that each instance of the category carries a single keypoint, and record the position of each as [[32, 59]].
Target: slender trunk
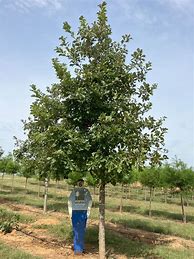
[[56, 187], [150, 205], [45, 195], [12, 182], [187, 201], [39, 186], [94, 190], [102, 251], [165, 196], [154, 194], [137, 193], [183, 209], [126, 193], [2, 178], [26, 183], [121, 200], [145, 194]]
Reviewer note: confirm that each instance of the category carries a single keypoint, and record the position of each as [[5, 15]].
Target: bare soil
[[38, 242]]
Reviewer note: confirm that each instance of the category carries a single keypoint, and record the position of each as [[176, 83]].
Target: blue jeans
[[79, 218]]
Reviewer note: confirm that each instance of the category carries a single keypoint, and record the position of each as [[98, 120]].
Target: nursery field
[[130, 231]]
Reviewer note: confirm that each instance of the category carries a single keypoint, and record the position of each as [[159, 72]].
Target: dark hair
[[80, 180]]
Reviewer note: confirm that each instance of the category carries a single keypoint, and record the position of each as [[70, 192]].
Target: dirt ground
[[38, 242]]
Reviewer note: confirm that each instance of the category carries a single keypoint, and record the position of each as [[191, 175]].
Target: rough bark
[[45, 195], [102, 250]]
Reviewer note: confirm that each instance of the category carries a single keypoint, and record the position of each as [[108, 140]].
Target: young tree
[[3, 164], [12, 168], [150, 177], [33, 153], [27, 168], [164, 183], [127, 179], [179, 176], [94, 120]]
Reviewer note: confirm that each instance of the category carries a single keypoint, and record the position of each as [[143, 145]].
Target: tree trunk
[[45, 195], [126, 192], [129, 192], [38, 188], [154, 194], [56, 187], [102, 251], [145, 194], [121, 200], [12, 182], [94, 193], [150, 205], [183, 209], [2, 178], [165, 197], [26, 183]]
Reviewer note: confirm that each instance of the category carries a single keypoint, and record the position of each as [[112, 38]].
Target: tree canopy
[[96, 118]]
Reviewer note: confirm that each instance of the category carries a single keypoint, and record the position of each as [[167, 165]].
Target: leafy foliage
[[8, 221], [178, 175], [94, 119], [150, 177]]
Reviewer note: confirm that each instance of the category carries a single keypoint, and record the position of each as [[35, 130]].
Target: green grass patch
[[62, 231], [154, 225], [170, 253], [7, 252]]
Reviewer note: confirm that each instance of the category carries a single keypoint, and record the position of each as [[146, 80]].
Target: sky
[[164, 29]]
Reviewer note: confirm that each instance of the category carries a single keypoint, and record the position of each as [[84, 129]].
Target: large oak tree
[[95, 118]]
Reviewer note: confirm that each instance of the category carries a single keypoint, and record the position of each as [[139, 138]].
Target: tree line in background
[[175, 177]]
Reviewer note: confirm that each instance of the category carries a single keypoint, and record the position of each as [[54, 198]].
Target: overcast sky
[[164, 29]]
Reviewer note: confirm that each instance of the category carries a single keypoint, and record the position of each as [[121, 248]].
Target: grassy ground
[[166, 219], [7, 252]]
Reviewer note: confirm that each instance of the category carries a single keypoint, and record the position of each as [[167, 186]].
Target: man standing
[[79, 205]]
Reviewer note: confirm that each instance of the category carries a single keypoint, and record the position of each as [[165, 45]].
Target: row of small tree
[[8, 165], [175, 177]]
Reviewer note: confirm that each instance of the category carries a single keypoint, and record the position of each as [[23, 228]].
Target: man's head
[[80, 182]]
